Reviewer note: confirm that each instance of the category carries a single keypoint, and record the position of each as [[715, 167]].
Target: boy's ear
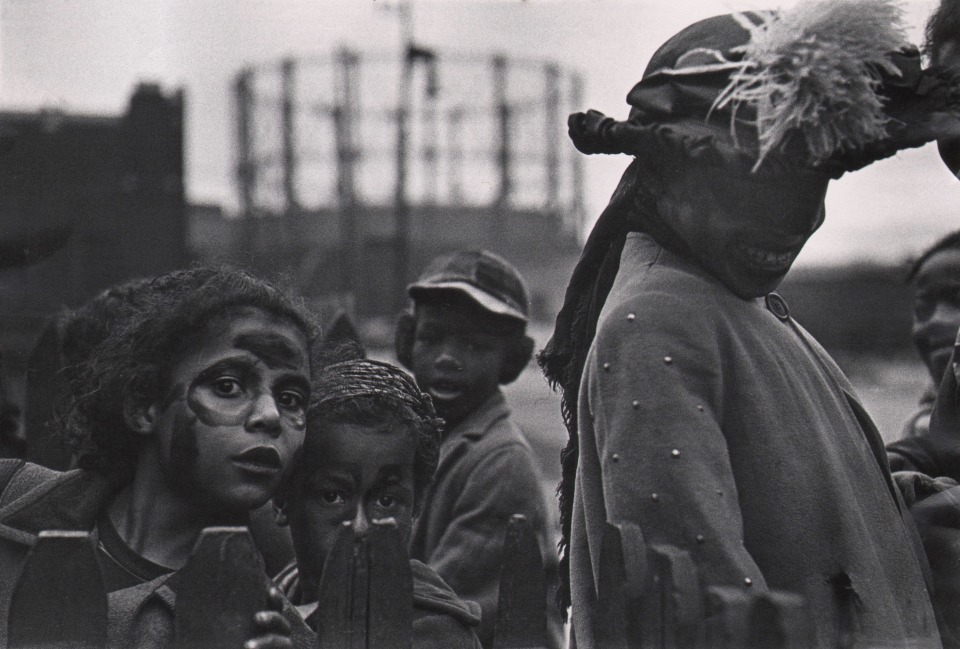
[[403, 338], [140, 418], [517, 358]]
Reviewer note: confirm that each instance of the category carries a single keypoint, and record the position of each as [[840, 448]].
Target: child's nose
[[448, 358], [265, 416], [360, 522]]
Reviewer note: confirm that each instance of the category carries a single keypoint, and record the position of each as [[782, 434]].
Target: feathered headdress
[[817, 72], [831, 85]]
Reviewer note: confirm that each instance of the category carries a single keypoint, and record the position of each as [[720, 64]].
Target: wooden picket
[[779, 621], [59, 601], [728, 625], [390, 604], [521, 608], [341, 613], [366, 593], [219, 591]]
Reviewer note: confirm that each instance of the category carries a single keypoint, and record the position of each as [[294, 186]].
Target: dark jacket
[[926, 449], [764, 465], [142, 616], [486, 474], [935, 503]]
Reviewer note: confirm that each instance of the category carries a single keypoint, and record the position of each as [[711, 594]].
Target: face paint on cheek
[[215, 412], [184, 451], [175, 393]]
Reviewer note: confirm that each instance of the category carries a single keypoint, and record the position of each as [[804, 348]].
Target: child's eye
[[291, 400], [227, 386], [332, 497], [387, 501]]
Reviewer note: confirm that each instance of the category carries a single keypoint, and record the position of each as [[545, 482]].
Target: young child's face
[[457, 358], [349, 472], [744, 231], [936, 310], [234, 412]]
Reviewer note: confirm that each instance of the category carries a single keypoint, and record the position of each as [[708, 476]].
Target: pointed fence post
[[522, 604], [623, 580], [59, 600], [390, 613], [220, 589], [778, 620], [677, 596], [366, 592], [728, 611], [340, 624]]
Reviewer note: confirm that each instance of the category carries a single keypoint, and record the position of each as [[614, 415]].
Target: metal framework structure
[[424, 128]]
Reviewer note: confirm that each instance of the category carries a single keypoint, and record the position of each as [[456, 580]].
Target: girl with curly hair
[[187, 415]]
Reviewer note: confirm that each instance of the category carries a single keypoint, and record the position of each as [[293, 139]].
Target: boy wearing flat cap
[[698, 409], [464, 339]]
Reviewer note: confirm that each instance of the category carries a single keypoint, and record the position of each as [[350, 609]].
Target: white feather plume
[[815, 70]]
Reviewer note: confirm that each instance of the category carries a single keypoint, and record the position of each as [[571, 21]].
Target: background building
[[103, 194]]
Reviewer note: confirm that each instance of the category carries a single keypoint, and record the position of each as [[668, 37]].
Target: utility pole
[[288, 134], [344, 117], [401, 205]]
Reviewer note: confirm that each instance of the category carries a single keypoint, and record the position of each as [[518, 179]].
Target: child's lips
[[262, 460], [445, 390]]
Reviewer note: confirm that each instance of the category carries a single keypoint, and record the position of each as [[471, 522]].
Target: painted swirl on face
[[274, 350], [215, 409]]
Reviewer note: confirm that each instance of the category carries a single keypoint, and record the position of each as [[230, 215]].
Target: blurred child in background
[[465, 337]]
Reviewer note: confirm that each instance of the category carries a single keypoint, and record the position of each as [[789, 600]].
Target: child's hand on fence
[[272, 630]]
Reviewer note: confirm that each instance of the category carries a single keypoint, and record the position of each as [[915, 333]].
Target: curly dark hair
[[374, 393], [132, 363], [81, 330], [942, 26]]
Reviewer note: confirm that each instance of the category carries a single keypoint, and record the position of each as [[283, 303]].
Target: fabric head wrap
[[825, 88], [364, 378]]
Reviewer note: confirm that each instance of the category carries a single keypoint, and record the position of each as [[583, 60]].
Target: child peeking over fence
[[188, 415], [370, 451]]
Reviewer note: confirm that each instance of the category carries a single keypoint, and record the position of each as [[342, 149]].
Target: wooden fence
[[650, 597], [365, 595]]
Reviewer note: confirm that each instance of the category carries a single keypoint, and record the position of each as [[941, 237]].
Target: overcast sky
[[86, 56]]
